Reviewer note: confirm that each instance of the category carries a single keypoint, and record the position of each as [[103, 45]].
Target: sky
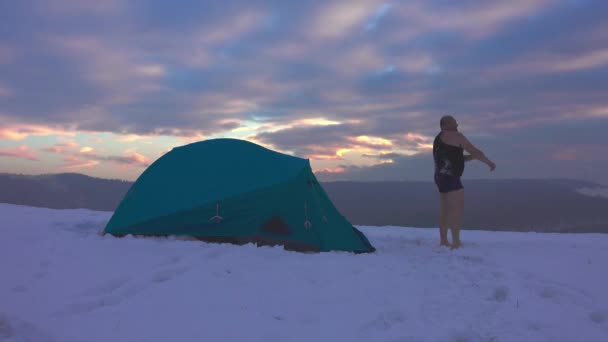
[[358, 87]]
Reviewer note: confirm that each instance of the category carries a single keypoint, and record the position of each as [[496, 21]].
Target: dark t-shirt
[[449, 159]]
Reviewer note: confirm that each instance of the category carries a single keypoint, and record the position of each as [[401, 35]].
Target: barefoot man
[[449, 165]]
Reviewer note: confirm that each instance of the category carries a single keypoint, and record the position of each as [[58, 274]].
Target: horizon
[[332, 181], [356, 87]]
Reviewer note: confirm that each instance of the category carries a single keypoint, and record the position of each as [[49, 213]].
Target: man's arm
[[475, 152], [468, 157]]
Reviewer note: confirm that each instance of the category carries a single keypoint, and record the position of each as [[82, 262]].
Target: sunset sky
[[106, 87]]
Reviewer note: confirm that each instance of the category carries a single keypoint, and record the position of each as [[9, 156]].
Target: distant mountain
[[514, 205], [506, 204], [62, 191]]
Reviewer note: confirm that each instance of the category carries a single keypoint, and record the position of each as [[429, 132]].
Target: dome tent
[[230, 190]]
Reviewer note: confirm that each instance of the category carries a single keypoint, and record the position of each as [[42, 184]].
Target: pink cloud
[[131, 160], [7, 54], [334, 170], [67, 143], [584, 61], [22, 131], [5, 91], [196, 49], [82, 6], [21, 152], [87, 150], [476, 21], [419, 141], [54, 149], [113, 66], [73, 162], [547, 63], [65, 147], [581, 153], [326, 152], [339, 18]]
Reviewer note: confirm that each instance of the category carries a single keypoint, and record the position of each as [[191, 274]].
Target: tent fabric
[[230, 190]]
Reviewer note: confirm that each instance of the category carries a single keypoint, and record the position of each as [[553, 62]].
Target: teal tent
[[230, 190]]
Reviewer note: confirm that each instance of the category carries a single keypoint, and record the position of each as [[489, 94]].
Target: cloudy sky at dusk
[[106, 87]]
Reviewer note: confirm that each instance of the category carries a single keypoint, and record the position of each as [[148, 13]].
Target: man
[[449, 165]]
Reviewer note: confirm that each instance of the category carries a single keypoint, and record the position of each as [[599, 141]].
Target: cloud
[[339, 18], [65, 146], [335, 81], [551, 63], [53, 149], [90, 160], [389, 167], [316, 141], [8, 54], [76, 157], [581, 152], [22, 131], [131, 160], [79, 7], [20, 152], [5, 91], [473, 20], [329, 171], [336, 141], [73, 162], [381, 12], [119, 70], [590, 60]]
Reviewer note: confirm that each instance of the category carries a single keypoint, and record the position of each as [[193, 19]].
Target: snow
[[62, 281], [596, 192]]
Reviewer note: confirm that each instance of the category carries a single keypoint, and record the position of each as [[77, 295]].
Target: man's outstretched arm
[[475, 153]]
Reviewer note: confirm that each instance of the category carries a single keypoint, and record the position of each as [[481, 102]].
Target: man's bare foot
[[456, 245], [445, 243]]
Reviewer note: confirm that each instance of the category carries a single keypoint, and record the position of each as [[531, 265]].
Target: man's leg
[[456, 211], [443, 219]]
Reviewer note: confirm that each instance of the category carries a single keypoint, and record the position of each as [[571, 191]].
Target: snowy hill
[[61, 281]]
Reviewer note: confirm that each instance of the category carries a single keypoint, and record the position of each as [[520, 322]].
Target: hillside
[[504, 204]]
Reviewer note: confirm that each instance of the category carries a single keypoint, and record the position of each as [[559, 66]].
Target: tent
[[231, 190]]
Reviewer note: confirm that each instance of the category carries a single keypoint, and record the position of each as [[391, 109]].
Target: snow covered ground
[[60, 281]]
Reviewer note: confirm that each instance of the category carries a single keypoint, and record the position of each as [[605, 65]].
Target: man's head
[[448, 123]]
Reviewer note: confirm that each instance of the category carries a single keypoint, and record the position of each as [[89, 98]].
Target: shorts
[[446, 183]]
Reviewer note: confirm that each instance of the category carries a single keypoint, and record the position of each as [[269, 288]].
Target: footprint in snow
[[95, 304], [500, 294], [165, 275], [407, 339], [598, 317], [534, 326], [107, 287], [463, 336], [548, 293], [386, 320], [12, 329], [19, 288], [474, 259], [116, 291], [174, 260], [214, 254], [496, 274]]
